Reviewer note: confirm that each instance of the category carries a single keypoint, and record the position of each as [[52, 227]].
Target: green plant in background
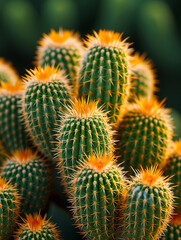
[[46, 95], [148, 206], [61, 49], [30, 174], [3, 154], [9, 208], [84, 129], [37, 228], [98, 198], [144, 134], [143, 78], [173, 169], [174, 229], [7, 72], [12, 130], [105, 71]]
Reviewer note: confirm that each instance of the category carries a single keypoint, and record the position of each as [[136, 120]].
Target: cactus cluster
[[113, 127]]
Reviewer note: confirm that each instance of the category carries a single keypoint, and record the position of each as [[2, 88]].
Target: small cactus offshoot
[[12, 128], [148, 206], [31, 177], [84, 129], [46, 95], [173, 169], [7, 72], [37, 228], [61, 49], [9, 208], [143, 78], [105, 71], [98, 197], [144, 133], [174, 228]]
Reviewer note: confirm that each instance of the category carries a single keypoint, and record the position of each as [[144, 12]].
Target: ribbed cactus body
[[9, 208], [44, 99], [173, 229], [143, 135], [104, 75], [61, 49], [84, 130], [31, 177], [142, 79], [12, 127], [7, 72], [37, 228], [98, 198], [148, 206], [173, 169]]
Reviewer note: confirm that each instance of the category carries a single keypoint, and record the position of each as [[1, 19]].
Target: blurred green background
[[154, 26]]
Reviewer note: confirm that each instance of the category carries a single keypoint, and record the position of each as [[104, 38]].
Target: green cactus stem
[[144, 134], [12, 128], [143, 78], [61, 49], [105, 71], [98, 197], [84, 129], [31, 177], [173, 169], [148, 206], [37, 228], [9, 208], [46, 95], [7, 72]]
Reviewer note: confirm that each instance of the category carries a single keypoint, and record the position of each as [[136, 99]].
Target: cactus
[[98, 197], [143, 78], [45, 96], [12, 129], [174, 229], [105, 71], [148, 206], [7, 72], [84, 128], [62, 49], [144, 134], [37, 228], [173, 169], [31, 177], [9, 208]]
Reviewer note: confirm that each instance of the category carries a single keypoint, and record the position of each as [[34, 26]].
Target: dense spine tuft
[[7, 72], [37, 228], [98, 197], [84, 129], [9, 209], [45, 97], [144, 133], [105, 71], [148, 206], [61, 49], [31, 177]]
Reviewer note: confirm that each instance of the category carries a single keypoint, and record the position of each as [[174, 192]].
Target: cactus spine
[[148, 205], [46, 95], [37, 228], [12, 129], [144, 134], [9, 208], [99, 197], [7, 72], [105, 73], [31, 177], [142, 79], [84, 128], [174, 229], [173, 169], [61, 49]]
